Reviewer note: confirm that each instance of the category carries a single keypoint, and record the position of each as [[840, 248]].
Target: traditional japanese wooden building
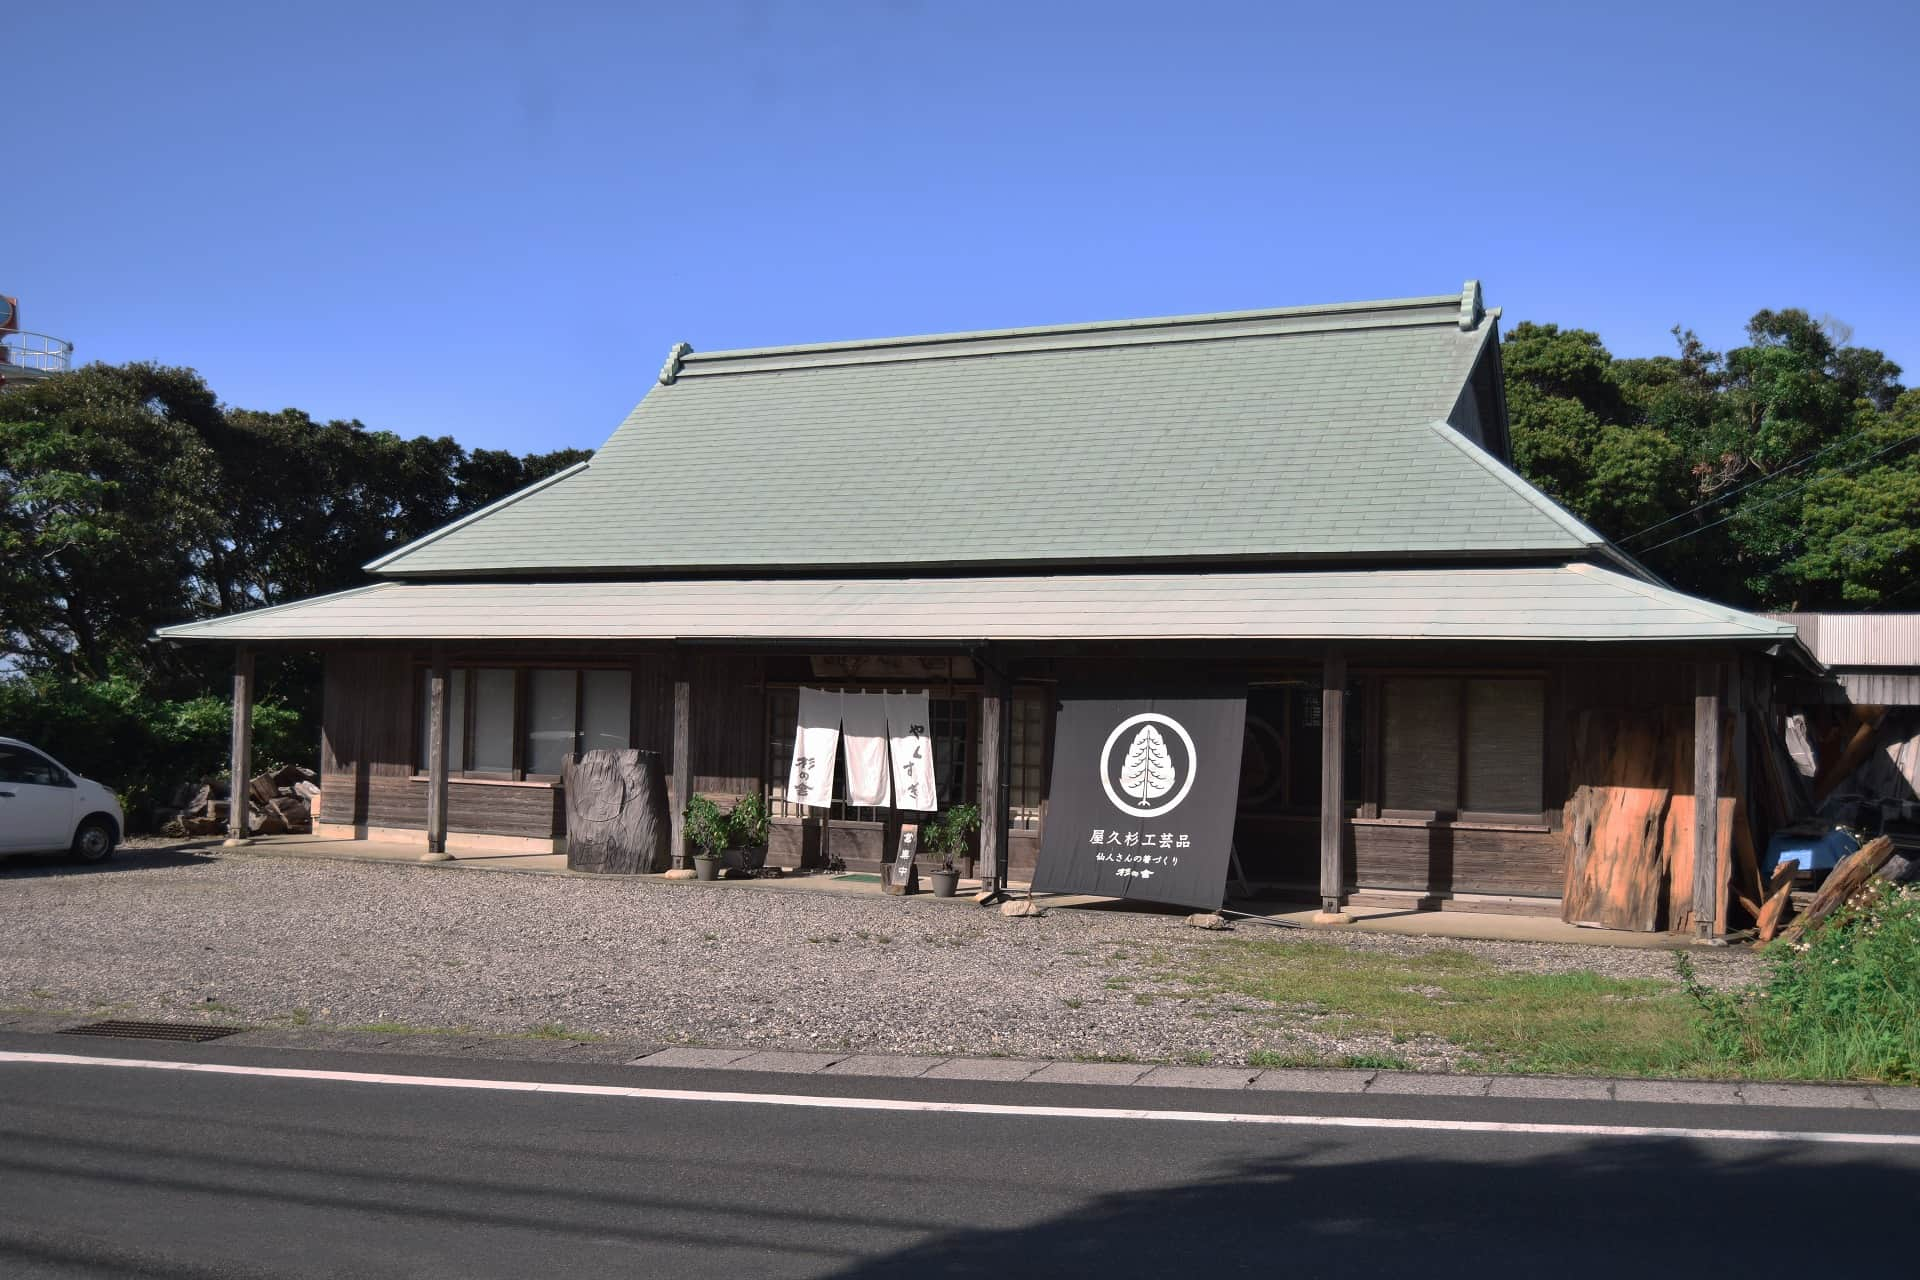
[[1313, 502]]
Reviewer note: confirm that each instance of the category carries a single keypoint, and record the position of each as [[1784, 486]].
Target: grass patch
[[1376, 1062], [1275, 1058], [1073, 1002], [1844, 1004], [1573, 1023], [407, 1029]]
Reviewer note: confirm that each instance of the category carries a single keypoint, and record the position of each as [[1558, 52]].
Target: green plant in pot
[[709, 831], [747, 829], [947, 836]]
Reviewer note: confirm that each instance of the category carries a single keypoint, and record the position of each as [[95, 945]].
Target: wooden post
[[1333, 763], [238, 823], [1707, 871], [680, 784], [438, 733], [996, 748]]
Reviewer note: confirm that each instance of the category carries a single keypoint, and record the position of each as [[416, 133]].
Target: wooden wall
[[729, 723], [368, 710], [367, 767]]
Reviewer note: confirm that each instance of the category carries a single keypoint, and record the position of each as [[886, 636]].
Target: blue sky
[[491, 221]]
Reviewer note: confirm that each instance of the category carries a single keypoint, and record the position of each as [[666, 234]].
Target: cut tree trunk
[[1779, 901], [618, 820], [1841, 883]]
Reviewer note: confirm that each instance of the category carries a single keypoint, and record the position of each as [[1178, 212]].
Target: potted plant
[[709, 831], [747, 830], [947, 836]]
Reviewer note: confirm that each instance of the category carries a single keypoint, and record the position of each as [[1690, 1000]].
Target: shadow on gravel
[[1609, 1209], [22, 866]]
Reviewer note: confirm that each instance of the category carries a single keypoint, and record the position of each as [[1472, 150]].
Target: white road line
[[977, 1108]]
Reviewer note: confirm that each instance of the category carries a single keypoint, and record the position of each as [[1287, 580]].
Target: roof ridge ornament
[[671, 369], [1471, 308]]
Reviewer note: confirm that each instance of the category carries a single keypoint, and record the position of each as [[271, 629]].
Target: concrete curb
[[1303, 1080], [1306, 1080]]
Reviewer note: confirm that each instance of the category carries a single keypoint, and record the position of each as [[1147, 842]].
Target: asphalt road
[[113, 1171]]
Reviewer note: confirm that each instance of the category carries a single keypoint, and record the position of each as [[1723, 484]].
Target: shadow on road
[[1606, 1209]]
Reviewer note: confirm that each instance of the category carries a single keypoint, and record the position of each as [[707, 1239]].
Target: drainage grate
[[188, 1031]]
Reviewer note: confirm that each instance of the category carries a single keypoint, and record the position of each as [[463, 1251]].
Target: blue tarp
[[1810, 853]]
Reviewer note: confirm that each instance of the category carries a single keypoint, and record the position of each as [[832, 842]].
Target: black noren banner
[[1143, 795]]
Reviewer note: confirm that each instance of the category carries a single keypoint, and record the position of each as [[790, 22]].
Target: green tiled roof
[[1307, 433]]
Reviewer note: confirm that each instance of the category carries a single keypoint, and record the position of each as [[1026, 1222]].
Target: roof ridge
[[288, 606], [1656, 591], [1507, 476], [374, 565], [1437, 310]]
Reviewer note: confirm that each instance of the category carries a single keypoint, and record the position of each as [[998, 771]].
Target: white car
[[47, 808]]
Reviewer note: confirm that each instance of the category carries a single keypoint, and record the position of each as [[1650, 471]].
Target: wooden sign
[[902, 876]]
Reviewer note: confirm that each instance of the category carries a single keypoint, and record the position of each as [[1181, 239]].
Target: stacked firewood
[[277, 803]]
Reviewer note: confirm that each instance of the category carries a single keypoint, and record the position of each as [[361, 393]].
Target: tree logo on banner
[[1148, 767]]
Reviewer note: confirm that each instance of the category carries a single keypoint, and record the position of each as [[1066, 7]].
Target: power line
[[1734, 493], [1799, 488]]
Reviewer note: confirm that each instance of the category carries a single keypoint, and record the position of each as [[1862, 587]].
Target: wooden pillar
[[680, 783], [996, 750], [1333, 764], [1707, 871], [438, 736], [238, 824]]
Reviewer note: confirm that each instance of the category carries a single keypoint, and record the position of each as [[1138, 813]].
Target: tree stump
[[618, 821]]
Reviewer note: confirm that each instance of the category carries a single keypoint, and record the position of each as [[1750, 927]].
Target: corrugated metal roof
[[1306, 433], [1859, 639], [1546, 603]]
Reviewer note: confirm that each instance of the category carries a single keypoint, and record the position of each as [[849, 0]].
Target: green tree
[[130, 498], [107, 488], [1776, 475]]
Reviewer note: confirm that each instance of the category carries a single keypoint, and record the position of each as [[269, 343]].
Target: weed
[[407, 1029], [1275, 1058], [1376, 1062], [555, 1031], [1844, 1003], [1073, 1002]]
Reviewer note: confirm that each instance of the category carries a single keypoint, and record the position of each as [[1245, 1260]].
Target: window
[[490, 724], [550, 716], [30, 768], [518, 723], [606, 711], [1025, 785], [1506, 732], [1463, 746]]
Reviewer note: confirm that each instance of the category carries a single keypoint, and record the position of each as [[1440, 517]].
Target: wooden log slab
[[618, 821], [1616, 873]]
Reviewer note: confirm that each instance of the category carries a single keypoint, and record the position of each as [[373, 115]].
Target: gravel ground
[[261, 939]]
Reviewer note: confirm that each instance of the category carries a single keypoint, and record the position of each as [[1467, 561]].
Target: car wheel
[[93, 842]]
